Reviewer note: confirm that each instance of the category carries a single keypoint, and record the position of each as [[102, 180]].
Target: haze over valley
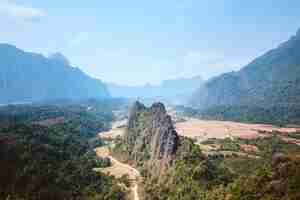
[[136, 100]]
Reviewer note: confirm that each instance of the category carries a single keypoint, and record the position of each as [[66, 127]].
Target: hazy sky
[[138, 41]]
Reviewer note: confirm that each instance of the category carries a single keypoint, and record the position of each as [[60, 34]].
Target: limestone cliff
[[150, 138]]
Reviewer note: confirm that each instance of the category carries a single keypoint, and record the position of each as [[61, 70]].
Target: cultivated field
[[204, 129]]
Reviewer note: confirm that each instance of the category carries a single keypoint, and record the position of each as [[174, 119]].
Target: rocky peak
[[133, 111], [164, 135], [158, 108], [151, 136], [137, 106]]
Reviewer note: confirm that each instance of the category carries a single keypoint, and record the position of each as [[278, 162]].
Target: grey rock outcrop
[[151, 137], [164, 137]]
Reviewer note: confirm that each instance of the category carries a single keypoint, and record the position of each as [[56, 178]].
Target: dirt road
[[118, 169], [135, 192], [133, 175]]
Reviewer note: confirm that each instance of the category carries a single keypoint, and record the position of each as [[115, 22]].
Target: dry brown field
[[204, 129]]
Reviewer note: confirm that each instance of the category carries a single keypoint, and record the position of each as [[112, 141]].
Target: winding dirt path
[[133, 175], [133, 171], [118, 169], [135, 192]]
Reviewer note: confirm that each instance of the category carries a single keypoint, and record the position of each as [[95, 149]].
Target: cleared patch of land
[[51, 122], [112, 134], [102, 152], [205, 129], [118, 128], [119, 169], [119, 124]]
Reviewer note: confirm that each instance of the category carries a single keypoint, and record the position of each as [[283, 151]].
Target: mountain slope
[[270, 80], [32, 77]]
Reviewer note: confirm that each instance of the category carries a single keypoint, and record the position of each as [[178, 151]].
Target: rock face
[[164, 137], [150, 135]]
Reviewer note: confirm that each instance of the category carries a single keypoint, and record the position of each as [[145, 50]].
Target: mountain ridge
[[170, 90], [27, 76], [271, 79]]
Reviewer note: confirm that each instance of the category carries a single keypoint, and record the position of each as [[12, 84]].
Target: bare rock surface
[[150, 135]]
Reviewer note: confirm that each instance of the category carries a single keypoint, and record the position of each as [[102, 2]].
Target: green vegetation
[[274, 175], [229, 145], [226, 144], [55, 161], [189, 178], [280, 181], [266, 146], [124, 147], [279, 115], [258, 169], [270, 145], [267, 89], [294, 135]]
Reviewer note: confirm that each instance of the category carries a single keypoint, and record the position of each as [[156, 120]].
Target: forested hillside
[[272, 80], [47, 152]]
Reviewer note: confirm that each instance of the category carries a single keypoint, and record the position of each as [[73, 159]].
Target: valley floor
[[234, 150], [202, 130]]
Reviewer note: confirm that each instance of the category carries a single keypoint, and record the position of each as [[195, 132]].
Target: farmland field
[[204, 129]]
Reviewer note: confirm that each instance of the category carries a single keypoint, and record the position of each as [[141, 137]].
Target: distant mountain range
[[175, 90], [270, 80], [26, 77]]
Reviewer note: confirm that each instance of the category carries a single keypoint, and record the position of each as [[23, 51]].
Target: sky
[[135, 42]]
